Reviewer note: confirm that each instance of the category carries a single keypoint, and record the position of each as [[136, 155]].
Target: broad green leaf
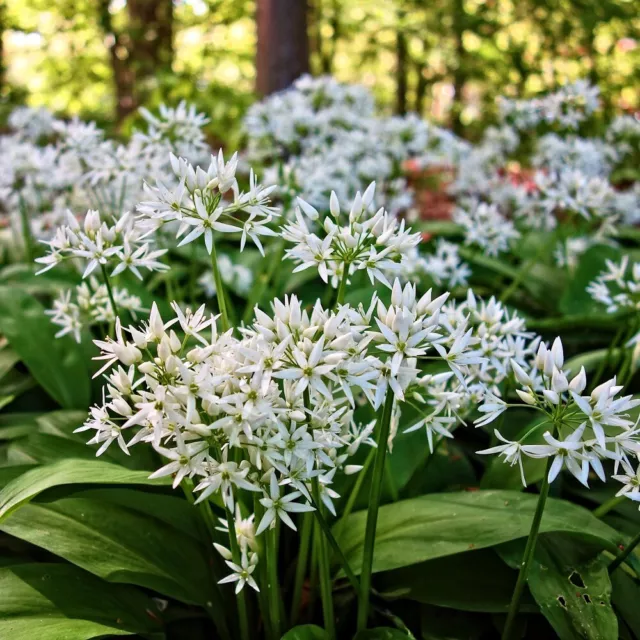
[[571, 584], [70, 471], [8, 358], [58, 364], [62, 424], [61, 602], [576, 299], [438, 525], [120, 542], [626, 596], [306, 632], [471, 581], [7, 474]]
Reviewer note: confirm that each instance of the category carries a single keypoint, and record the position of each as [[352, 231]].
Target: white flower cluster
[[49, 165], [581, 431], [565, 108], [618, 286], [122, 242], [197, 203], [331, 140], [486, 227], [590, 156], [88, 305], [623, 134], [348, 242]]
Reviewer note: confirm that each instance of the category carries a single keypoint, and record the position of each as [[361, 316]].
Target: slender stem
[[342, 289], [607, 506], [215, 610], [217, 278], [107, 282], [623, 555], [301, 566], [325, 571], [242, 596], [273, 586], [604, 363], [527, 557], [263, 597], [372, 513], [326, 529], [355, 492]]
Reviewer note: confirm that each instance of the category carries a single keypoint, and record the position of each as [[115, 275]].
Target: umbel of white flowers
[[585, 429]]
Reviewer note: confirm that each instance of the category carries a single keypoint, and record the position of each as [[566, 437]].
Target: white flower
[[512, 452], [280, 507], [242, 573]]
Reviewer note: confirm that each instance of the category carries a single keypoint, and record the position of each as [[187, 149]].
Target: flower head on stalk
[[588, 429], [341, 243], [208, 201], [96, 242]]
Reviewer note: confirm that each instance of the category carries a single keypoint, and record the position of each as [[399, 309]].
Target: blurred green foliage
[[446, 59]]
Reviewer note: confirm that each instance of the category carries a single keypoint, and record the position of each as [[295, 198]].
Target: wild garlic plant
[[261, 421], [580, 432], [360, 240]]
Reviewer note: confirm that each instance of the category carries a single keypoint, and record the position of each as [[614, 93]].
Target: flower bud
[[526, 397], [579, 383]]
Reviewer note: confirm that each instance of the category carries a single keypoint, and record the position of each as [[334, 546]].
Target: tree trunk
[[283, 44], [460, 72], [140, 52]]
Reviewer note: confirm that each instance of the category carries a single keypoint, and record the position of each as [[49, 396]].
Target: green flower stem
[[355, 492], [263, 597], [326, 591], [301, 566], [607, 506], [625, 553], [326, 529], [215, 609], [342, 289], [217, 278], [107, 282], [372, 513], [242, 596], [507, 633], [273, 586]]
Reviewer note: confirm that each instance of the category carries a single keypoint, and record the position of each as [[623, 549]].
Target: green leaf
[[7, 474], [132, 539], [571, 584], [576, 299], [381, 633], [61, 602], [70, 471], [438, 525], [626, 596], [8, 358], [58, 364], [306, 632], [471, 581]]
